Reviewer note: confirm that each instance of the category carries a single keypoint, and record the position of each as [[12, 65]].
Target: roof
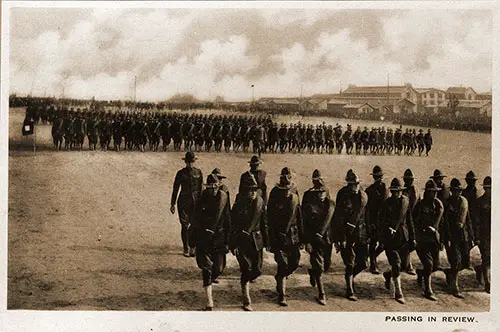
[[423, 90], [458, 89], [468, 103], [317, 100], [285, 101], [407, 100], [376, 89], [357, 106], [337, 101], [325, 95]]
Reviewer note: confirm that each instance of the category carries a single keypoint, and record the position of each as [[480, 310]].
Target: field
[[92, 230]]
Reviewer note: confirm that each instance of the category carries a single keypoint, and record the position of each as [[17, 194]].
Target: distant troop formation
[[359, 224], [196, 132]]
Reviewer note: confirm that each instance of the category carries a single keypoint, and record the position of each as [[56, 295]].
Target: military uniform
[[396, 234], [427, 216], [349, 231], [456, 236], [413, 197], [249, 235], [260, 177], [317, 215], [189, 180], [285, 232], [483, 234], [377, 194]]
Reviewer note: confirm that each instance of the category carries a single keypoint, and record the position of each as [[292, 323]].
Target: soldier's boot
[[419, 277], [192, 251], [479, 274], [312, 277], [447, 277], [280, 288], [185, 244], [486, 276], [398, 293], [428, 293], [387, 278], [247, 302], [373, 263], [210, 300], [409, 269], [454, 284], [321, 299], [349, 288]]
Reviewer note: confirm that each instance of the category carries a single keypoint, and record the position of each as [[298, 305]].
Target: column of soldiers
[[195, 132], [359, 224]]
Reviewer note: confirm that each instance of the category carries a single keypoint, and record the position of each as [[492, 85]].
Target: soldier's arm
[[439, 219], [264, 226], [264, 187], [227, 222], [336, 225], [409, 223], [175, 191]]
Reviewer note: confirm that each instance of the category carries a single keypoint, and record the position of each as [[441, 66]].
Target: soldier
[[413, 196], [317, 212], [210, 233], [249, 235], [349, 230], [470, 193], [427, 216], [285, 232], [456, 236], [377, 194], [420, 142], [189, 179], [428, 142], [482, 234], [258, 174], [444, 191], [225, 189], [397, 235]]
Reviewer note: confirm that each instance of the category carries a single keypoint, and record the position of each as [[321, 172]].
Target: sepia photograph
[[249, 158]]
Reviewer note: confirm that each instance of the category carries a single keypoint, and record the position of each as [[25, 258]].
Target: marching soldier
[[210, 233], [190, 180], [249, 235], [427, 216], [413, 196], [377, 194], [349, 230], [456, 235], [217, 172], [428, 142], [470, 193], [258, 174], [483, 234], [444, 191], [317, 212], [397, 235], [285, 232]]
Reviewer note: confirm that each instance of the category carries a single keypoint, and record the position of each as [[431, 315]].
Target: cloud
[[86, 53]]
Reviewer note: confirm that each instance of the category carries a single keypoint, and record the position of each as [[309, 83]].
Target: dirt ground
[[92, 230]]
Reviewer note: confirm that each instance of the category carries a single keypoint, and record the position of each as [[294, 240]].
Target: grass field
[[92, 230]]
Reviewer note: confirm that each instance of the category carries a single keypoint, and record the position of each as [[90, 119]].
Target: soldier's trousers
[[428, 253], [211, 262], [250, 262], [397, 258], [485, 250], [355, 257], [458, 255], [185, 211], [288, 259], [320, 258]]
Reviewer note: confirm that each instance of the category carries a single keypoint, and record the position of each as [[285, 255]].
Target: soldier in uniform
[[317, 212], [249, 235], [413, 196], [222, 186], [210, 233], [470, 193], [189, 180], [377, 194], [456, 236], [258, 174], [428, 142], [427, 216], [349, 230], [397, 235], [285, 232], [482, 234]]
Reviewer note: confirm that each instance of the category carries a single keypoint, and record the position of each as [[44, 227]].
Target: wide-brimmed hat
[[377, 171], [249, 182], [431, 186], [455, 184], [408, 174], [255, 160], [284, 183], [286, 171], [189, 157], [218, 173], [487, 182], [396, 185], [437, 175], [212, 181], [351, 177], [470, 175], [316, 175]]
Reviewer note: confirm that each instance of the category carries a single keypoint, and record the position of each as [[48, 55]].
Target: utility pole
[[135, 92]]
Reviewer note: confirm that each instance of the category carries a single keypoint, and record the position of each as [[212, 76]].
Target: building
[[461, 93], [469, 108], [483, 96], [430, 99]]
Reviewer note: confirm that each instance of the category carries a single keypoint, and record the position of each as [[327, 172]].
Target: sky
[[96, 52]]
